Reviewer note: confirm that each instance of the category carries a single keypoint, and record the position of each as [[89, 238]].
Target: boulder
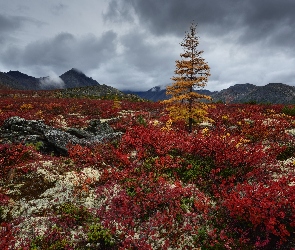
[[53, 140]]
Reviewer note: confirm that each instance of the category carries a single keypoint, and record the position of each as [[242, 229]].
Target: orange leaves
[[192, 71]]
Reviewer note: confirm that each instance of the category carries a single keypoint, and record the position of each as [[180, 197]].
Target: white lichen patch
[[290, 131], [71, 186], [286, 167]]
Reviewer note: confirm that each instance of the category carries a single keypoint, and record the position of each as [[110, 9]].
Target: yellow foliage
[[26, 106], [117, 104], [180, 112], [242, 142], [39, 113], [191, 72], [168, 125], [205, 131]]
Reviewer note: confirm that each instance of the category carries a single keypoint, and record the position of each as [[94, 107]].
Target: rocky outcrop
[[52, 140]]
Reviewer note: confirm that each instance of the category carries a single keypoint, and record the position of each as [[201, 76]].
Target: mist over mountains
[[70, 79], [240, 93]]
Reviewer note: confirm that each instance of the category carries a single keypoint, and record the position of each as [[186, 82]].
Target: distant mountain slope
[[235, 93], [92, 91], [273, 93], [240, 93], [75, 78], [24, 81], [77, 83], [276, 93], [70, 79], [158, 93], [6, 82]]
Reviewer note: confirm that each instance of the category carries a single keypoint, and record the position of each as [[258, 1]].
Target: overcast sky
[[133, 44]]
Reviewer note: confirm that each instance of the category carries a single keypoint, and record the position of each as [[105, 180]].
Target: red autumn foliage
[[224, 186]]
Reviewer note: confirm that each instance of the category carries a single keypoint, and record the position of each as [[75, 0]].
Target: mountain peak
[[76, 71], [76, 78], [157, 88]]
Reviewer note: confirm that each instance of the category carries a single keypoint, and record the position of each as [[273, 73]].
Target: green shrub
[[79, 214], [98, 235], [287, 110]]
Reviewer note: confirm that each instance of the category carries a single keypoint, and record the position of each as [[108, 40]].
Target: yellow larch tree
[[192, 73]]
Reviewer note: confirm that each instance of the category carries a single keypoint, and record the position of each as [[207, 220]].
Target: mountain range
[[70, 79], [75, 83], [72, 83], [239, 93]]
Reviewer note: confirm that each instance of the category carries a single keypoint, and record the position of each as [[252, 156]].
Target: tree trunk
[[190, 125]]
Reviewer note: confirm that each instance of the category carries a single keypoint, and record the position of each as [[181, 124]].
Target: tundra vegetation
[[226, 183]]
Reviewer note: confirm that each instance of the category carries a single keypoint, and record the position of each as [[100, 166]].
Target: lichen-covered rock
[[97, 127], [52, 140]]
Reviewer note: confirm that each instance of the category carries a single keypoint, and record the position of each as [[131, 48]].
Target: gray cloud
[[118, 10], [58, 9], [144, 54], [170, 17], [8, 24], [269, 20], [250, 40], [133, 44], [63, 52], [143, 61]]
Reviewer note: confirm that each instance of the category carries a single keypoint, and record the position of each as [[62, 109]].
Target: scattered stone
[[52, 140]]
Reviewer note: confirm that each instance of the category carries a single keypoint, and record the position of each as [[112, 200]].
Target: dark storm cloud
[[272, 22], [162, 17], [243, 40], [117, 11], [63, 52], [250, 40], [269, 20]]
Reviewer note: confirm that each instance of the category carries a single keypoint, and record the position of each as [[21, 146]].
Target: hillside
[[24, 81], [276, 93], [154, 94], [7, 82], [75, 83], [75, 78], [72, 83], [97, 92], [158, 93], [273, 93], [70, 79]]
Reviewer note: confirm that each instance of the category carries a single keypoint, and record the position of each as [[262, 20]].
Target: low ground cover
[[229, 184]]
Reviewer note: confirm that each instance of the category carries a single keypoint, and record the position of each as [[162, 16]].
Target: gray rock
[[80, 133], [96, 127], [36, 132], [60, 139]]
